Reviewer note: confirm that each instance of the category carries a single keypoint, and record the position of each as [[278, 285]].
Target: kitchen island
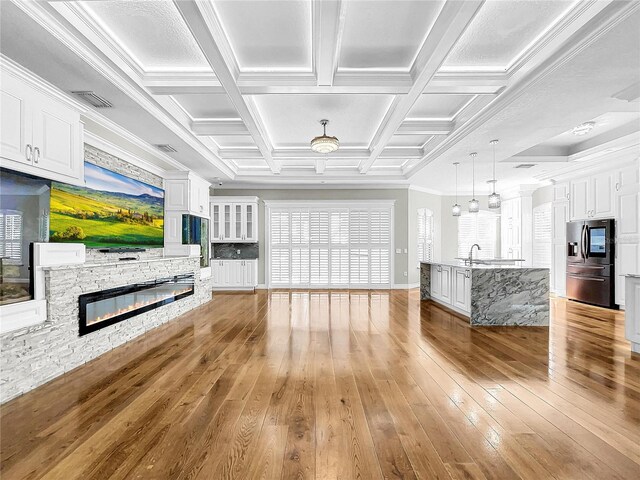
[[489, 295]]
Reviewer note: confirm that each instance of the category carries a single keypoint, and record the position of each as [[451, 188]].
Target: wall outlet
[[405, 251], [405, 274], [238, 251], [398, 250]]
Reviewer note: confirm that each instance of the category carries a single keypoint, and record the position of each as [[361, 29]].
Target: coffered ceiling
[[239, 86]]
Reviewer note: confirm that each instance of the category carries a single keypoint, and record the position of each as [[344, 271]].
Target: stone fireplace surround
[[32, 356]]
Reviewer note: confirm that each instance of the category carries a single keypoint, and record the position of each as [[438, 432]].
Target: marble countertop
[[460, 264], [108, 263], [633, 275]]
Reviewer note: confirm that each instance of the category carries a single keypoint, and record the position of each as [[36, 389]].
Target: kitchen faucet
[[471, 253]]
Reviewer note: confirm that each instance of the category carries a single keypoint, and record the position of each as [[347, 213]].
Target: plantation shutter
[[480, 228], [425, 235], [324, 246], [358, 248], [542, 236], [339, 236], [11, 235], [380, 250], [280, 248]]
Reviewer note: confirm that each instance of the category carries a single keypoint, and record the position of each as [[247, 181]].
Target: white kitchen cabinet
[[511, 228], [579, 199], [560, 217], [40, 134], [436, 281], [461, 291], [627, 205], [186, 192], [235, 219], [446, 287], [561, 192], [593, 196], [234, 274]]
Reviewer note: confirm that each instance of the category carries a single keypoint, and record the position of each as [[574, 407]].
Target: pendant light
[[474, 205], [456, 210], [324, 143], [494, 198]]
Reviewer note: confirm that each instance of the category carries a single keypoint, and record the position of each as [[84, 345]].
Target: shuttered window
[[542, 236], [11, 236], [329, 246], [425, 235], [480, 228]]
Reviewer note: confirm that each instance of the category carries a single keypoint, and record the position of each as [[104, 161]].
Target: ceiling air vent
[[93, 99], [525, 165], [165, 147]]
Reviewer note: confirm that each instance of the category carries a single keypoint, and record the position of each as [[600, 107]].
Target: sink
[[492, 261]]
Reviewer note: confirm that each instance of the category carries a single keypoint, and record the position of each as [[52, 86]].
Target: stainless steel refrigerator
[[590, 262]]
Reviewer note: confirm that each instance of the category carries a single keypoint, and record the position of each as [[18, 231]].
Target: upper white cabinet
[[234, 219], [39, 134], [186, 192], [593, 197]]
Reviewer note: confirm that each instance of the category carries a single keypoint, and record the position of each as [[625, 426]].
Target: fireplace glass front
[[100, 309]]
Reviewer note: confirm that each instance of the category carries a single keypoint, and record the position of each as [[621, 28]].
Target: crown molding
[[9, 66]]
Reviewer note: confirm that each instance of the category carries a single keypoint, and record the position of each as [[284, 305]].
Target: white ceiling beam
[[425, 127], [207, 31], [328, 20], [369, 83], [208, 127], [450, 24]]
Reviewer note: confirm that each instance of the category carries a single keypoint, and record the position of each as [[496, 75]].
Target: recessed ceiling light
[[525, 165], [583, 128]]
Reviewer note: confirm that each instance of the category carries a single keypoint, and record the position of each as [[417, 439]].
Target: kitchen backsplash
[[235, 251]]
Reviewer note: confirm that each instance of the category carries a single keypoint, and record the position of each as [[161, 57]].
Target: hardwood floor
[[340, 385]]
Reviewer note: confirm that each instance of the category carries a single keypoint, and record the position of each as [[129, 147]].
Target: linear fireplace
[[104, 308]]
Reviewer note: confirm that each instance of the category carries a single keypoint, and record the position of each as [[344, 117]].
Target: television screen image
[[111, 210]]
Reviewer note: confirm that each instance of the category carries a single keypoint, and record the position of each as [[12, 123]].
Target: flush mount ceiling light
[[583, 128], [494, 198], [474, 205], [456, 210], [324, 143]]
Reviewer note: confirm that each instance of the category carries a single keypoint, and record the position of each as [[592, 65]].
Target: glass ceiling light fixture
[[494, 198], [456, 210], [474, 205], [324, 143], [583, 128]]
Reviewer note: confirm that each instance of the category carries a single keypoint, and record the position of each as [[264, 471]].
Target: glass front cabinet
[[234, 219]]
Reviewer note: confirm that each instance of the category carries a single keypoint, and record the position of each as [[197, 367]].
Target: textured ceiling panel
[[207, 105], [268, 35], [152, 32], [385, 34], [502, 30], [292, 121], [438, 106]]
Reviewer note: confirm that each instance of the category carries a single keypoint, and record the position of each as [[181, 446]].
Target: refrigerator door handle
[[583, 243], [587, 242]]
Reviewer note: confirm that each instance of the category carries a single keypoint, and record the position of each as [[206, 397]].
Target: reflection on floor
[[340, 385]]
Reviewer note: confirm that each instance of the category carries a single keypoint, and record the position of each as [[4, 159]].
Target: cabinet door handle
[[36, 155], [617, 186], [28, 152]]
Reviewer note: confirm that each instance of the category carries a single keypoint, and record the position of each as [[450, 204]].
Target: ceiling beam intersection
[[202, 21], [450, 24]]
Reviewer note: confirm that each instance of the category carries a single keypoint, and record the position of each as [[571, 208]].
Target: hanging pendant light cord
[[456, 183], [473, 176], [494, 168]]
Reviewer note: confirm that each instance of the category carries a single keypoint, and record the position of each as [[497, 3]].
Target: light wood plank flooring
[[340, 384]]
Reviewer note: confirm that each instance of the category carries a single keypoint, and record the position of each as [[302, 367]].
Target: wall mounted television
[[111, 210]]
